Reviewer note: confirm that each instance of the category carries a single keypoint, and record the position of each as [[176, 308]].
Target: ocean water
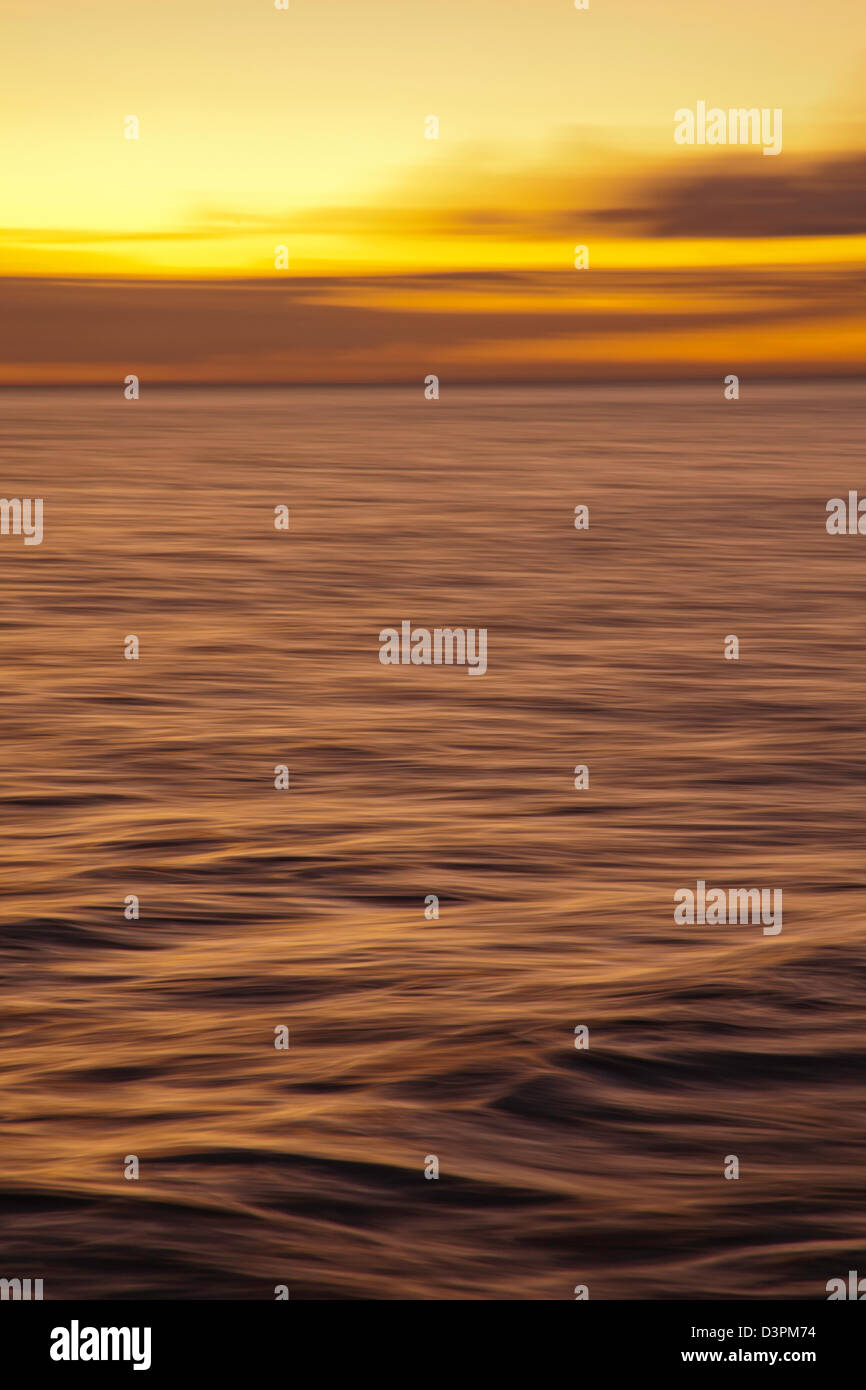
[[305, 908]]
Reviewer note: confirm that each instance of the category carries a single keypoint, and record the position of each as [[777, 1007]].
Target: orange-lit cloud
[[495, 326]]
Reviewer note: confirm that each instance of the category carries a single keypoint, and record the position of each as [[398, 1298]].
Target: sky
[[305, 128]]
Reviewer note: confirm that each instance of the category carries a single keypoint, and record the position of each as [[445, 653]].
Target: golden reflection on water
[[306, 908]]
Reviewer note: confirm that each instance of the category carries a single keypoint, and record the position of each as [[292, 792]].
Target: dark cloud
[[735, 197], [826, 199], [386, 328]]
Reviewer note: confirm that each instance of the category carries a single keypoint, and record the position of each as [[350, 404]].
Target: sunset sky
[[305, 128]]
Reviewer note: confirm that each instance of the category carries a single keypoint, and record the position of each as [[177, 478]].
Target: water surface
[[306, 908]]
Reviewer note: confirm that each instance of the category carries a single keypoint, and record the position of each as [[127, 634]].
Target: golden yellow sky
[[305, 128]]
